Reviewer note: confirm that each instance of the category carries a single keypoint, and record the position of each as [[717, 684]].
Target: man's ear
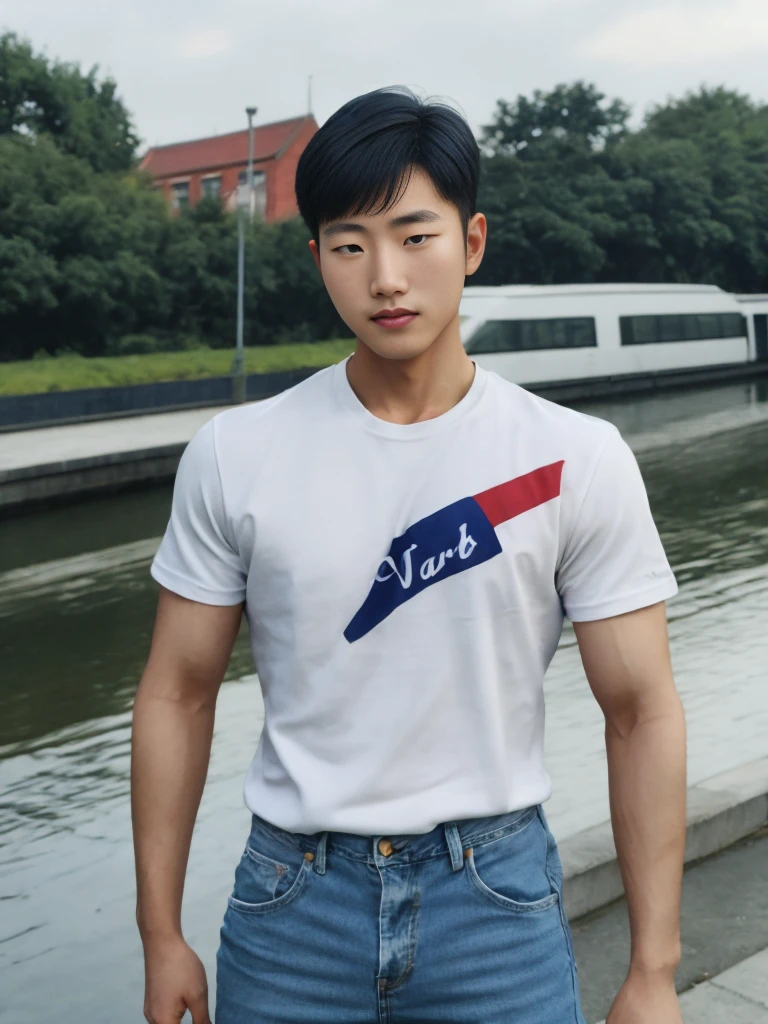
[[316, 254], [477, 231]]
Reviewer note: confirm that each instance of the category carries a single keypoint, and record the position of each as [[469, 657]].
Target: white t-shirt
[[405, 586]]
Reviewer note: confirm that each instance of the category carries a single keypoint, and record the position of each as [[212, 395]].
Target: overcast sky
[[188, 68]]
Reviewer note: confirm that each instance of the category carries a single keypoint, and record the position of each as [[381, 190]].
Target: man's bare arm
[[627, 662], [173, 721]]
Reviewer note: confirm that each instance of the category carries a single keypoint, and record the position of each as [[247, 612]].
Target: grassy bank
[[67, 373]]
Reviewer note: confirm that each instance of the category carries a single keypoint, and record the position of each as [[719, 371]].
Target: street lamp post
[[238, 364]]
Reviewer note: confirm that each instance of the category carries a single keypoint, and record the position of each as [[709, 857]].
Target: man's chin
[[396, 347]]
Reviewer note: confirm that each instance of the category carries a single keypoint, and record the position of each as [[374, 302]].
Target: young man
[[405, 531]]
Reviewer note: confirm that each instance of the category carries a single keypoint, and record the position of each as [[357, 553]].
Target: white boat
[[755, 308], [614, 336]]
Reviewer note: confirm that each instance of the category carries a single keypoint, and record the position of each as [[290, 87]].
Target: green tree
[[552, 203], [706, 156], [573, 194], [83, 115], [288, 301], [284, 299], [574, 116], [77, 251], [89, 258]]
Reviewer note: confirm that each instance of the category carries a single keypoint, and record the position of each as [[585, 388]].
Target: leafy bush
[[141, 344], [301, 334]]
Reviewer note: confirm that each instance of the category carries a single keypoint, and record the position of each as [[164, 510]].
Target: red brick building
[[185, 171]]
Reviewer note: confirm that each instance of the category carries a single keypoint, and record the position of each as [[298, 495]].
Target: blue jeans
[[461, 924]]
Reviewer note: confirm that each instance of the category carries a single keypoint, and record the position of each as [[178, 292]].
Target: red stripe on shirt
[[505, 501]]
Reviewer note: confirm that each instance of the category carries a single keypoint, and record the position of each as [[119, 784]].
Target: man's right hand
[[174, 982]]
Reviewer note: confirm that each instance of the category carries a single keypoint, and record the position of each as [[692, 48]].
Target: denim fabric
[[461, 924]]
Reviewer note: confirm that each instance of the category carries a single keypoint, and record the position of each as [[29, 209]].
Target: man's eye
[[421, 237], [348, 245]]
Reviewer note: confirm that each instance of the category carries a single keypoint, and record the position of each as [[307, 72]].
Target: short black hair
[[361, 159]]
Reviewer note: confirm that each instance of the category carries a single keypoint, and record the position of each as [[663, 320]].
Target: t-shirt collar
[[405, 431]]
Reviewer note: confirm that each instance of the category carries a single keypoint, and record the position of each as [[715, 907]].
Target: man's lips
[[394, 317]]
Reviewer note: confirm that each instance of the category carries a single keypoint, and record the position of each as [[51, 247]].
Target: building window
[[259, 190], [210, 186], [654, 330], [180, 195], [532, 335]]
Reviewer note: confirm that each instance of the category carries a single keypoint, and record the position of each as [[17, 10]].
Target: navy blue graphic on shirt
[[447, 542]]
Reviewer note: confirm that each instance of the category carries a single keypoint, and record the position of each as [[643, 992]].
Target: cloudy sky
[[188, 68]]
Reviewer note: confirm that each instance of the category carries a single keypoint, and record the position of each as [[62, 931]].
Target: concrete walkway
[[49, 463], [27, 448], [32, 450], [737, 996], [723, 973], [52, 462]]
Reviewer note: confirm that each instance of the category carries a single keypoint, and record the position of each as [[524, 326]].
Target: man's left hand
[[646, 999]]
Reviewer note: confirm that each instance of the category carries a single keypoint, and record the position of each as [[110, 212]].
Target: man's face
[[412, 257]]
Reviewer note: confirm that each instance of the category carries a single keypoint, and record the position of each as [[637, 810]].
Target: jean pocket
[[512, 872], [264, 883]]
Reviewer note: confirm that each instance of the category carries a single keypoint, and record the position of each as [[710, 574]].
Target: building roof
[[269, 140]]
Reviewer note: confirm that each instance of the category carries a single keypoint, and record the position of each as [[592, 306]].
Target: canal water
[[76, 610]]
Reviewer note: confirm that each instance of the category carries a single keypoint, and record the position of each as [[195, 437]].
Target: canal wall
[[53, 464], [24, 412], [57, 463], [68, 478]]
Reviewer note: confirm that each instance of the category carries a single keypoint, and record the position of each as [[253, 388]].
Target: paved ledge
[[76, 465], [55, 480], [720, 811], [737, 996], [65, 461]]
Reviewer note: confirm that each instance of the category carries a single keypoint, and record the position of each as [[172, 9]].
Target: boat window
[[533, 335], [659, 328]]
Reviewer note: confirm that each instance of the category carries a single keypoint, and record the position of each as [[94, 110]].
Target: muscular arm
[[627, 662], [170, 749]]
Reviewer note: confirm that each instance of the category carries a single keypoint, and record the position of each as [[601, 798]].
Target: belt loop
[[453, 838], [319, 864]]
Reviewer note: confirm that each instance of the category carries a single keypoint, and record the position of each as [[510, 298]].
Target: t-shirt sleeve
[[197, 557], [613, 561]]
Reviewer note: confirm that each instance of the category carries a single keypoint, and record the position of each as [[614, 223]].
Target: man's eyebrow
[[341, 227], [416, 217]]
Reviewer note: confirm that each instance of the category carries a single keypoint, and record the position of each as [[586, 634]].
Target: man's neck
[[411, 390]]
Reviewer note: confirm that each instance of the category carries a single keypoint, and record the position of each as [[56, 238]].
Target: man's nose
[[388, 277]]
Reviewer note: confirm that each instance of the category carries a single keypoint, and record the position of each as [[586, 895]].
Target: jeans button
[[385, 847]]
